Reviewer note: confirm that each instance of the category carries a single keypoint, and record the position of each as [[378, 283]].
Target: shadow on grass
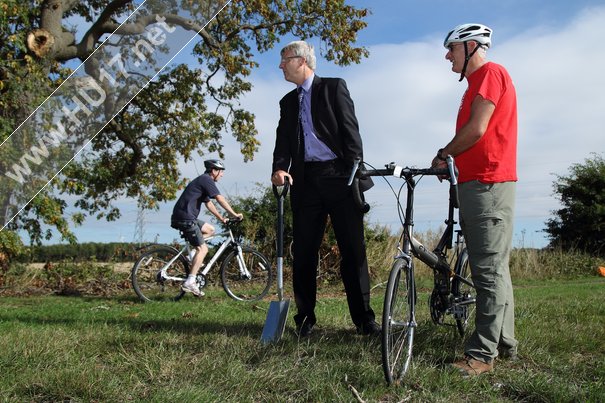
[[247, 318]]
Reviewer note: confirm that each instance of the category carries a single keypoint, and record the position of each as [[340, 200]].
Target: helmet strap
[[467, 57]]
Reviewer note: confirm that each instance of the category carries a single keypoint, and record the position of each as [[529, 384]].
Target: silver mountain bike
[[161, 270]]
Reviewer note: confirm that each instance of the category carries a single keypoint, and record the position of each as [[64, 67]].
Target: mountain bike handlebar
[[233, 222], [450, 172]]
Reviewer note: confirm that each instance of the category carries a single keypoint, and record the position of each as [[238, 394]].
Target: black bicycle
[[452, 301]]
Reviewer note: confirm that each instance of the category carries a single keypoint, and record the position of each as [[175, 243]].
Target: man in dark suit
[[316, 144]]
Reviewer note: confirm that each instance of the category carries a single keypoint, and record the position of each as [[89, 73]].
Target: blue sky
[[406, 99]]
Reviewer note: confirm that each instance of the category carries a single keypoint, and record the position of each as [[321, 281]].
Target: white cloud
[[406, 99]]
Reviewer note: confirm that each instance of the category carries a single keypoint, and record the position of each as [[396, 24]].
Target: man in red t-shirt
[[485, 148]]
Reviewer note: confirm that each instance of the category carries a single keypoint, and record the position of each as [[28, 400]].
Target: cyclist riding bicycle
[[187, 209]]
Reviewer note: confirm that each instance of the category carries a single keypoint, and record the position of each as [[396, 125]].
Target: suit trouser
[[324, 196], [486, 218]]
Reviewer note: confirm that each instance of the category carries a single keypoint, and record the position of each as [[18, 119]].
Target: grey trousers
[[486, 219]]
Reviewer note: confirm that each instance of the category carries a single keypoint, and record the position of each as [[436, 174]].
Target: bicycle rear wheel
[[398, 322], [147, 279], [464, 293], [248, 279]]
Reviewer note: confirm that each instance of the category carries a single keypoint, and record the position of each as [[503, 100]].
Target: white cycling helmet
[[469, 32], [465, 33]]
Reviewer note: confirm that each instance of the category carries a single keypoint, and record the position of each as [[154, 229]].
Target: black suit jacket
[[335, 124]]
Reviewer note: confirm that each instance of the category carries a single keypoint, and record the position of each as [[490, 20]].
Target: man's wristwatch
[[441, 157]]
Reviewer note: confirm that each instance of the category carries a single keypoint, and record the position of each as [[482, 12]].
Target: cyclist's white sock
[[190, 279]]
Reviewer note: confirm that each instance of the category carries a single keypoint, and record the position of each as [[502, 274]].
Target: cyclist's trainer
[[187, 209]]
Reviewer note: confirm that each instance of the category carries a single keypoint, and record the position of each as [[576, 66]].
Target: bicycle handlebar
[[450, 172], [231, 222]]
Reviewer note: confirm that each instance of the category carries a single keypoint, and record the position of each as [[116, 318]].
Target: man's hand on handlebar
[[234, 218], [439, 162], [278, 178]]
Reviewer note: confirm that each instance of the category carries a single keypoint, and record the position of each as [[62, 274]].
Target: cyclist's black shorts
[[191, 230]]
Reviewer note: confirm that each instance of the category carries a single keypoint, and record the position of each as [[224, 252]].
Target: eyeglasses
[[288, 58], [451, 46]]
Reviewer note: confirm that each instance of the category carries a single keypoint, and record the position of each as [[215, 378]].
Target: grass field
[[114, 349]]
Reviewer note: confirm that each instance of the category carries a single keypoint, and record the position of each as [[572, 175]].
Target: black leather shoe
[[370, 328], [305, 329]]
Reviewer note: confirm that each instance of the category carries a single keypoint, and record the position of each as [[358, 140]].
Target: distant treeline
[[101, 252]]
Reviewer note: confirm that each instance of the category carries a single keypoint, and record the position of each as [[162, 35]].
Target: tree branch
[[91, 37]]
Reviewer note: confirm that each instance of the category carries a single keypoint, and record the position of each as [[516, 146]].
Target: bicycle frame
[[229, 242], [447, 298], [436, 258]]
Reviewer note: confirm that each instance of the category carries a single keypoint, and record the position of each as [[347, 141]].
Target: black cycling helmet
[[213, 164]]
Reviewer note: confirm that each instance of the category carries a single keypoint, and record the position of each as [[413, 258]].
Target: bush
[[102, 252], [546, 264], [10, 247], [66, 278], [580, 223]]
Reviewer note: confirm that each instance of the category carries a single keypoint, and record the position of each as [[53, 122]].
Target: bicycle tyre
[[463, 291], [146, 271], [241, 288], [398, 322]]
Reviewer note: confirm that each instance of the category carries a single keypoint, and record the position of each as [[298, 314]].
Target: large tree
[[580, 223], [186, 110]]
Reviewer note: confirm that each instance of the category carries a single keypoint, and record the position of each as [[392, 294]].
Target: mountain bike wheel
[[238, 285], [147, 279], [464, 293], [398, 322]]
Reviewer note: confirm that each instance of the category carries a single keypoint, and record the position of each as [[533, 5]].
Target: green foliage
[[25, 81], [259, 226], [532, 264], [185, 112], [260, 212], [580, 224], [101, 252], [65, 277], [10, 248], [10, 244]]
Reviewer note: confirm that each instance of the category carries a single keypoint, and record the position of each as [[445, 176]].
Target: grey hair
[[302, 49], [482, 51]]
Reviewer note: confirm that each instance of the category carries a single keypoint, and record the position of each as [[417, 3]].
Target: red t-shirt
[[493, 158]]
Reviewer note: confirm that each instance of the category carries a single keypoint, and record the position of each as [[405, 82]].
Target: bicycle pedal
[[459, 312]]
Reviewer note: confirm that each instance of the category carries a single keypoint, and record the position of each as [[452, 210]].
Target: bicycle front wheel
[[398, 322], [246, 278], [151, 282], [464, 293]]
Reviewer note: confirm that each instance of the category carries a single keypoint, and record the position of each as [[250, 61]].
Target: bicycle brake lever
[[452, 170], [454, 196], [354, 171]]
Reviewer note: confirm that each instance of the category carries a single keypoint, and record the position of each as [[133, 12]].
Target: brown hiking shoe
[[468, 366]]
